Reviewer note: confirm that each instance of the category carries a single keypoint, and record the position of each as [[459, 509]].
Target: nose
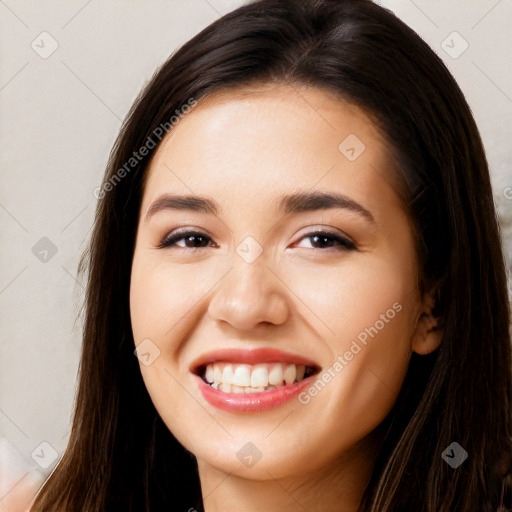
[[250, 295]]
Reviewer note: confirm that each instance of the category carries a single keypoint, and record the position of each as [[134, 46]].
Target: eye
[[320, 238], [196, 240], [189, 236]]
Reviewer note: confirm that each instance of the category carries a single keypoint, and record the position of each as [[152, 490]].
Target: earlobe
[[428, 334]]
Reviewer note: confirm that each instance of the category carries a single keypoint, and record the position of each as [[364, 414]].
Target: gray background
[[60, 115]]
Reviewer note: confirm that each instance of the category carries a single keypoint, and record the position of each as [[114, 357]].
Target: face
[[292, 290]]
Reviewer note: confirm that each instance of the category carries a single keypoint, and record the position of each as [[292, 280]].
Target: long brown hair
[[121, 456]]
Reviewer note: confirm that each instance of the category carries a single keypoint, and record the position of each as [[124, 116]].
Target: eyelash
[[170, 240]]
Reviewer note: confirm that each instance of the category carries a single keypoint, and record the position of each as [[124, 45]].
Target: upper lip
[[250, 356]]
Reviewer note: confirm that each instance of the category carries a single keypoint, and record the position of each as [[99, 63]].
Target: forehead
[[256, 142]]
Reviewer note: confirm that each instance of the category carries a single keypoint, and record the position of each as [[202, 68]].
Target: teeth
[[242, 375], [254, 390], [259, 376], [245, 378], [209, 373], [275, 376], [290, 372], [217, 373], [227, 374], [226, 388]]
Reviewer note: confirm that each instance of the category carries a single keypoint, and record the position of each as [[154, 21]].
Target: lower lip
[[251, 402]]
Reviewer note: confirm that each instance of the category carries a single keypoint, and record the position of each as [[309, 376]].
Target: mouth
[[245, 378], [252, 380]]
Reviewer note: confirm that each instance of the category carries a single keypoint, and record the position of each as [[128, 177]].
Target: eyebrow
[[287, 204]]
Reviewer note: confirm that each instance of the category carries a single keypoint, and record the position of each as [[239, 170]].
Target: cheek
[[160, 295], [368, 314], [344, 299]]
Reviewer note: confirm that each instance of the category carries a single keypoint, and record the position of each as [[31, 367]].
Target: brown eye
[[321, 238], [192, 238]]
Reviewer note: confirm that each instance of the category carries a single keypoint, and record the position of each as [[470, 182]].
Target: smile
[[245, 378], [252, 380]]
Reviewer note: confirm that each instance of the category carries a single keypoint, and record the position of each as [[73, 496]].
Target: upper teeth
[[255, 376]]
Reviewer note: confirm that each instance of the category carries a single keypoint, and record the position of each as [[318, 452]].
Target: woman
[[296, 234]]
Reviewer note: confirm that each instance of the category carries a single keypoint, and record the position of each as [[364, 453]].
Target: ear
[[428, 334]]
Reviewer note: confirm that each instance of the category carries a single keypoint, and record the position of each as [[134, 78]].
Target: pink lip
[[250, 402]]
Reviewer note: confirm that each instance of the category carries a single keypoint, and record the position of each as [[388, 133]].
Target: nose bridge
[[249, 293]]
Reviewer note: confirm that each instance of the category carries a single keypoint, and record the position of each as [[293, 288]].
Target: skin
[[243, 149], [20, 492]]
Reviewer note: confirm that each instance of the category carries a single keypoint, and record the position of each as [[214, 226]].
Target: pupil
[[321, 239], [192, 237]]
